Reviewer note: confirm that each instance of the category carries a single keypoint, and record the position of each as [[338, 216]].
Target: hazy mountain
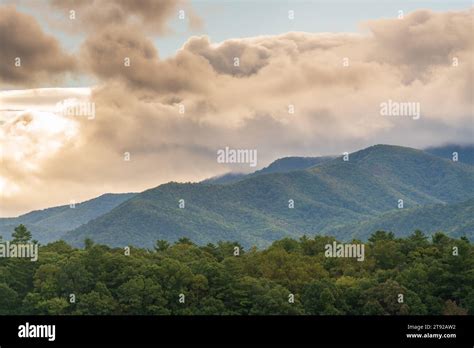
[[282, 165], [50, 224], [255, 210], [465, 152], [228, 178], [288, 164]]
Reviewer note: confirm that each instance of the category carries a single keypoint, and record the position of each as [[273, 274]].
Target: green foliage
[[455, 219], [21, 235], [161, 245], [8, 299], [291, 277]]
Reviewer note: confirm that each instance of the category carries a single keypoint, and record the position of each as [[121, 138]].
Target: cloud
[[172, 115], [411, 41], [151, 15], [232, 57], [125, 53], [28, 55]]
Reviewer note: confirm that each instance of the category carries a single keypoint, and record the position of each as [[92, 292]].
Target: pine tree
[[21, 235]]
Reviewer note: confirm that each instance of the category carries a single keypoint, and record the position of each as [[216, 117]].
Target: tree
[[289, 277], [141, 295], [88, 243], [381, 236], [288, 244], [98, 302], [386, 250], [211, 306], [321, 297], [54, 306], [387, 294], [8, 300], [184, 240], [21, 235], [161, 245], [451, 308], [419, 238]]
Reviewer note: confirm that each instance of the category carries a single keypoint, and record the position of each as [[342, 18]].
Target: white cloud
[[337, 108]]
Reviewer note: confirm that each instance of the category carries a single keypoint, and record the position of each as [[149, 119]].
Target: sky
[[155, 96]]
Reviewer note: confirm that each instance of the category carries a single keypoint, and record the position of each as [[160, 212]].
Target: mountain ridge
[[255, 210], [51, 223]]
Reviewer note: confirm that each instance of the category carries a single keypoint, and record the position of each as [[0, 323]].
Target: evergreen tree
[[21, 235]]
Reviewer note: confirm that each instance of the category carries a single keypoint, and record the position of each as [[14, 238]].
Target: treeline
[[413, 275]]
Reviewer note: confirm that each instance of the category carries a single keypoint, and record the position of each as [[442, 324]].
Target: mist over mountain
[[255, 211], [281, 165]]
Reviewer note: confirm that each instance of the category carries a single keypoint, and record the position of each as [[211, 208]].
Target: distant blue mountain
[[50, 224], [465, 152]]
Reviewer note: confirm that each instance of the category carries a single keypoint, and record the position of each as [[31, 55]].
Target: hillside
[[254, 211], [228, 178], [288, 164], [455, 219], [465, 152], [50, 224], [281, 165]]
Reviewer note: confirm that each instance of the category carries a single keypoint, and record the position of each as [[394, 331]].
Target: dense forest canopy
[[398, 276]]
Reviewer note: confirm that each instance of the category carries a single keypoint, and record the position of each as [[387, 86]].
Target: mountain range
[[51, 224], [347, 199], [465, 152]]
